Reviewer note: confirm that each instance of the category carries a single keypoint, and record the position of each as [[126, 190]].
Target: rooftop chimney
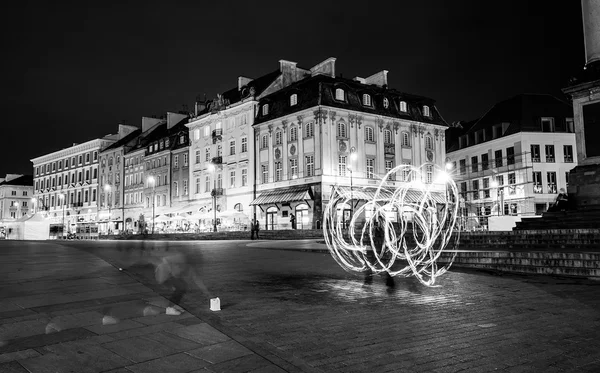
[[242, 81], [174, 118], [125, 130], [288, 72], [326, 67], [379, 79], [148, 123]]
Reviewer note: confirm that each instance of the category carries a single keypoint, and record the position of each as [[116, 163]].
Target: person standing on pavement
[[293, 221], [257, 228], [378, 242]]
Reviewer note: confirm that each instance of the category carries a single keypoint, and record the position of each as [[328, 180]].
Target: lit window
[[342, 165], [278, 137], [293, 99], [387, 136], [264, 142], [197, 156], [206, 131], [341, 127], [339, 94], [294, 168], [244, 144], [293, 133], [310, 165], [244, 177], [366, 99], [278, 171], [405, 139], [265, 173], [369, 134], [265, 109], [176, 188], [389, 165], [232, 179], [232, 147], [308, 130], [370, 168], [403, 106], [429, 171], [426, 111], [428, 142], [176, 161]]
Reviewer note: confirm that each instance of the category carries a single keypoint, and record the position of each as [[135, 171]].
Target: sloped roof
[[125, 140], [25, 180], [320, 90]]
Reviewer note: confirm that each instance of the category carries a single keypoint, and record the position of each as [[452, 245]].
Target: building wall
[[16, 201], [235, 123], [78, 181], [523, 192], [110, 204], [134, 183]]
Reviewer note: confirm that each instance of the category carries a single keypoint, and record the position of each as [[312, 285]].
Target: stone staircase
[[585, 218]]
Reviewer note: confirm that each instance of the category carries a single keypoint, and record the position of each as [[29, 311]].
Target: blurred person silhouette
[[561, 202], [378, 241], [179, 271]]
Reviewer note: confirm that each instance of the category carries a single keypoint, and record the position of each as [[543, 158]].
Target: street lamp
[[152, 181], [62, 202], [212, 169], [494, 185], [107, 190]]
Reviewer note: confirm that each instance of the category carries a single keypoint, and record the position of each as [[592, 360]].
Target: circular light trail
[[416, 220]]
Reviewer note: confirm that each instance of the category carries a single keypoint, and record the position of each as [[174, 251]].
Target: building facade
[[16, 196], [515, 159], [111, 208], [323, 131], [66, 182]]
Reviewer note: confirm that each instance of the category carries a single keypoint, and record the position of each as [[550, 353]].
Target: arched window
[[293, 99], [405, 139], [341, 129], [339, 94], [264, 142], [238, 207], [265, 109], [366, 99], [428, 142], [426, 111], [308, 130], [403, 106], [278, 137], [387, 136], [293, 133], [369, 134], [386, 102]]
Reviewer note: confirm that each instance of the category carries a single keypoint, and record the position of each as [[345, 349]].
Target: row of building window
[[109, 161], [14, 193], [230, 123], [538, 185], [74, 199], [68, 162], [64, 179]]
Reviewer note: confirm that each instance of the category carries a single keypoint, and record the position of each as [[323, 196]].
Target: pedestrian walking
[[252, 229], [257, 228], [378, 243], [293, 221]]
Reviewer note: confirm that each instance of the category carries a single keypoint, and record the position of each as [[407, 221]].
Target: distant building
[[318, 130], [514, 159], [16, 195], [66, 181], [222, 152], [137, 207], [110, 204]]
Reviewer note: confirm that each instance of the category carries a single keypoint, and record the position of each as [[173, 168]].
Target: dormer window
[[426, 111], [366, 99], [293, 99], [403, 106], [339, 94], [386, 102], [265, 109]]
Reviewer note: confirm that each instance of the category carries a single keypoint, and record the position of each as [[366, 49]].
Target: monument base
[[584, 186]]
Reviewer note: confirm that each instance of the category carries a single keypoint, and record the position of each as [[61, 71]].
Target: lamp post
[[62, 202], [152, 181], [494, 185], [107, 190], [212, 169]]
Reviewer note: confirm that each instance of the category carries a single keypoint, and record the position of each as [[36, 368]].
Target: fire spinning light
[[426, 214]]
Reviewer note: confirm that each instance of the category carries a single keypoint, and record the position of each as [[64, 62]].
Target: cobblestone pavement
[[286, 310]]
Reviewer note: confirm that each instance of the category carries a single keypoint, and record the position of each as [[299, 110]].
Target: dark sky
[[74, 72]]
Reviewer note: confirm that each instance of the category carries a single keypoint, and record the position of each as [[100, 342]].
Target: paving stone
[[144, 330], [46, 339], [16, 313], [173, 341], [120, 326], [242, 364], [149, 347], [75, 357], [13, 367], [178, 363], [23, 354], [219, 352], [162, 318], [201, 333]]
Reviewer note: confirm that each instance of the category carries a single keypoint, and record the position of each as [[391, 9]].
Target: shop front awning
[[369, 193], [288, 194]]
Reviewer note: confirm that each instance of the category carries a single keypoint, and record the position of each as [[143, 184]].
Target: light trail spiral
[[426, 218]]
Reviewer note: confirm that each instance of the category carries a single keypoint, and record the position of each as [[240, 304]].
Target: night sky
[[72, 73]]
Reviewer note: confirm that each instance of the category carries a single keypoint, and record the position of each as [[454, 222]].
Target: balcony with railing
[[217, 135], [216, 192]]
